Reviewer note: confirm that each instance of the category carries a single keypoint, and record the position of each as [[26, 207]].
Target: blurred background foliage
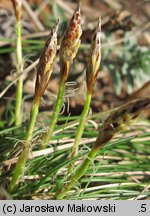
[[121, 173]]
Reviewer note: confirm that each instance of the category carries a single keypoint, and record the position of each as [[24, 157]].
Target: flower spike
[[17, 5], [71, 40], [94, 58], [120, 119], [45, 65]]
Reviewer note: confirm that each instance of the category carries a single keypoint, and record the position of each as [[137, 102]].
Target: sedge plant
[[93, 65], [17, 5], [44, 71], [117, 121], [68, 50]]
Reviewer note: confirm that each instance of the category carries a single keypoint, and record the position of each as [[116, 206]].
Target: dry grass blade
[[33, 15]]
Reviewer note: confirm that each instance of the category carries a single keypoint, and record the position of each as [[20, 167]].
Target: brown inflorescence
[[45, 65], [71, 41], [94, 58], [17, 4], [120, 119]]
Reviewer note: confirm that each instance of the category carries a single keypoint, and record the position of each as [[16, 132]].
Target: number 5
[[143, 207]]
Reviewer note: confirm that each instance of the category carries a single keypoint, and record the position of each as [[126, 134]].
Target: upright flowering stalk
[[93, 65], [44, 71], [68, 50], [117, 121], [94, 59], [17, 5]]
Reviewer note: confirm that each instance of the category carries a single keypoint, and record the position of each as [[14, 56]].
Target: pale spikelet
[[45, 65], [94, 58], [120, 119], [71, 40], [17, 4]]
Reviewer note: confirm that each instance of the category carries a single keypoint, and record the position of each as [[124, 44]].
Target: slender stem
[[25, 152], [80, 129], [79, 172], [56, 112], [19, 167], [19, 62], [33, 116]]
